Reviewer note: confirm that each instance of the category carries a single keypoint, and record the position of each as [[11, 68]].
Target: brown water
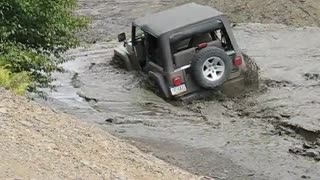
[[228, 138]]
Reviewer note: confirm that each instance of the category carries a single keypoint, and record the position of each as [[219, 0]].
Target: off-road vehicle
[[185, 50]]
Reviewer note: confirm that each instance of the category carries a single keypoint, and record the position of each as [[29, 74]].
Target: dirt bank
[[38, 143], [288, 12], [110, 17]]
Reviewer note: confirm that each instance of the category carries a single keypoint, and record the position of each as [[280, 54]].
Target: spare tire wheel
[[211, 67]]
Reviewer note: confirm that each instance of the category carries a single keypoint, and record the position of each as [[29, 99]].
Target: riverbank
[[39, 143]]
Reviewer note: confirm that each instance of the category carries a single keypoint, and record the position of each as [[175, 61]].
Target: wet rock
[[286, 130], [76, 83], [307, 145], [92, 65], [296, 150], [311, 76], [87, 99], [311, 153], [121, 131], [118, 121], [306, 150], [285, 115], [305, 177], [110, 120], [206, 178]]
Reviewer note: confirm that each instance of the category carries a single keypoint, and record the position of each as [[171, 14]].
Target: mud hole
[[271, 133]]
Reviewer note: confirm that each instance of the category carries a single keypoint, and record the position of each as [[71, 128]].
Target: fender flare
[[159, 79], [120, 52]]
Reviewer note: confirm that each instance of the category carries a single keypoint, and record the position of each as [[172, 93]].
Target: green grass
[[17, 82]]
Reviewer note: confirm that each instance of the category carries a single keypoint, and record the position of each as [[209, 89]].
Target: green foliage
[[35, 33], [18, 82]]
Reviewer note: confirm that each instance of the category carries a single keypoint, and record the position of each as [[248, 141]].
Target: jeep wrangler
[[185, 50]]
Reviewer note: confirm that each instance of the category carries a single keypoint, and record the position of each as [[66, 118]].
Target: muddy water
[[239, 138]]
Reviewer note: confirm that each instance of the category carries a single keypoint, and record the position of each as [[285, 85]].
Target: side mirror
[[122, 37]]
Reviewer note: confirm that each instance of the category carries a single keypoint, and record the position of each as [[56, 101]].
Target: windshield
[[139, 32]]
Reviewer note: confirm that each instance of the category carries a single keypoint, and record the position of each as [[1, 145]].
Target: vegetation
[[33, 36], [18, 82]]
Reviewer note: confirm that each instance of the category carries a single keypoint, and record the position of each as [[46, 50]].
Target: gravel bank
[[39, 143]]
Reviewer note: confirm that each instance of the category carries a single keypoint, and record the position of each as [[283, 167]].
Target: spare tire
[[211, 67]]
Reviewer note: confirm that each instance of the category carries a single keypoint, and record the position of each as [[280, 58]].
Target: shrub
[[34, 34], [18, 82]]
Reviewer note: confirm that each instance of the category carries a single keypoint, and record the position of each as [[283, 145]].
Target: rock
[[311, 153], [286, 115], [286, 130], [205, 178], [311, 76], [307, 145], [295, 150], [121, 131], [305, 177], [110, 120]]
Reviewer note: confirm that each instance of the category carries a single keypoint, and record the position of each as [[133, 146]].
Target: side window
[[181, 45], [152, 48], [222, 36]]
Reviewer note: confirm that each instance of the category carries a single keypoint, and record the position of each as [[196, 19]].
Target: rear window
[[194, 40], [152, 46]]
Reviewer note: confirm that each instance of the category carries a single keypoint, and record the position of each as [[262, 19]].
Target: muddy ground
[[270, 134]]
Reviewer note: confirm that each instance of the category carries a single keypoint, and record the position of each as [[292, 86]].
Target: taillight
[[202, 45], [177, 81], [237, 61]]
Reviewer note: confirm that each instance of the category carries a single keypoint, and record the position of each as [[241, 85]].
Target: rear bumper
[[230, 88]]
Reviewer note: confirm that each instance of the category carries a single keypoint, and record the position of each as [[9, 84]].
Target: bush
[[18, 82], [33, 36]]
